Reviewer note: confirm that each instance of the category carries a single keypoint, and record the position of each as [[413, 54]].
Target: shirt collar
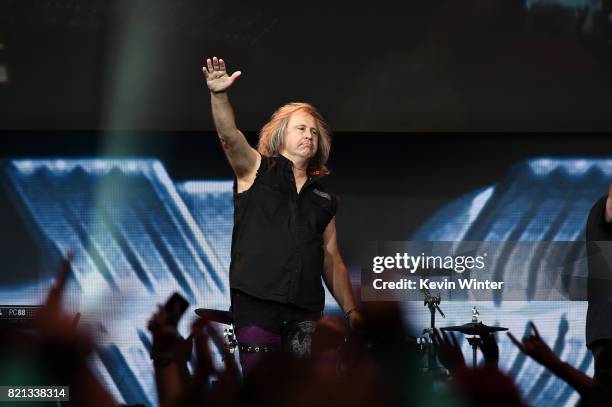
[[287, 166], [285, 163]]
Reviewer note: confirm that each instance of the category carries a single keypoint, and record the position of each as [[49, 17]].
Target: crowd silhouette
[[370, 365]]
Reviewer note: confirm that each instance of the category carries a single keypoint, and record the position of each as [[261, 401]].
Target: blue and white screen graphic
[[138, 236]]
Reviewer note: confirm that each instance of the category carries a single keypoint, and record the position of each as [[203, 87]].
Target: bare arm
[[336, 275], [243, 158], [170, 354], [537, 349]]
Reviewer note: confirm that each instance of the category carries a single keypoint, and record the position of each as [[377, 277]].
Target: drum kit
[[474, 331]]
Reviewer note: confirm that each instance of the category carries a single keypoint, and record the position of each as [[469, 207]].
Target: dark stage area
[[471, 154]]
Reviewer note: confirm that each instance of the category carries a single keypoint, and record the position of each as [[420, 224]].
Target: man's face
[[301, 136]]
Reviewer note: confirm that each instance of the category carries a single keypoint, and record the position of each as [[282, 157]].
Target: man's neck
[[300, 165]]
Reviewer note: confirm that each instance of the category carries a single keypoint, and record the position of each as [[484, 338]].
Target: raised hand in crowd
[[64, 347], [448, 351], [490, 349], [534, 346], [225, 391], [170, 354], [57, 326]]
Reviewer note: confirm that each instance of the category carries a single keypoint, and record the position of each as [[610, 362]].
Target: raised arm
[[242, 157], [535, 347]]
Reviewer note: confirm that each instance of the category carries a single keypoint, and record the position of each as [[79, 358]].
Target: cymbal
[[215, 315], [474, 328]]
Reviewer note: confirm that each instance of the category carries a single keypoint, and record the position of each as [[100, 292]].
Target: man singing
[[284, 236]]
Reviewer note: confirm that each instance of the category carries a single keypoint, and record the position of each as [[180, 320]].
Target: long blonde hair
[[272, 135]]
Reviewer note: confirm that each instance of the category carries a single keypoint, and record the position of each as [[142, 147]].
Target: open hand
[[217, 78]]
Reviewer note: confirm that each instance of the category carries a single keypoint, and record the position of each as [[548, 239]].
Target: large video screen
[[144, 220]]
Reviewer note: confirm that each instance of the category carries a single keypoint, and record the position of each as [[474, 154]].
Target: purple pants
[[255, 335]]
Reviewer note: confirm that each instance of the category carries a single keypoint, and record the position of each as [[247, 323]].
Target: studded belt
[[252, 348]]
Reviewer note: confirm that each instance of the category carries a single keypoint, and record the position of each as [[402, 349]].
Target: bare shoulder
[[247, 178], [329, 234]]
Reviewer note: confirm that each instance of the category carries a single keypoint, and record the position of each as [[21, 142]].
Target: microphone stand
[[432, 302]]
